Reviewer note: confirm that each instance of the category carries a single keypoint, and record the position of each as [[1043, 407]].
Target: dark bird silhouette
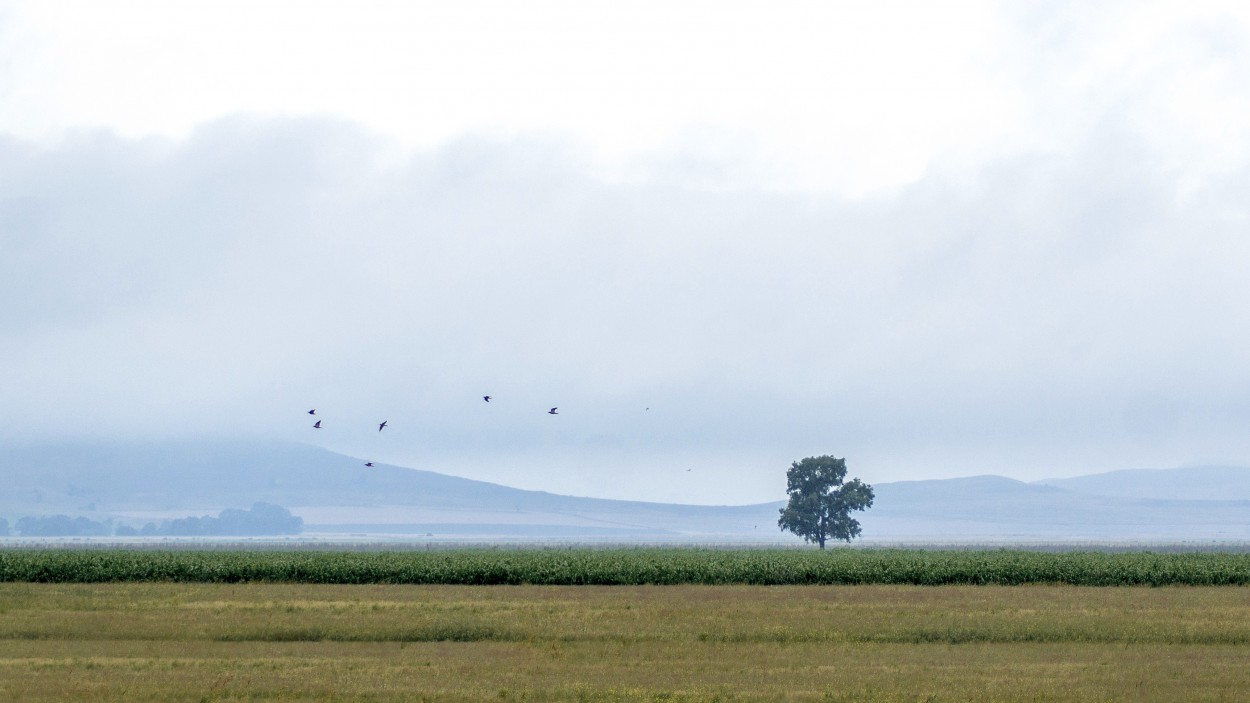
[[369, 463], [381, 425], [317, 425], [312, 412], [552, 412], [486, 398]]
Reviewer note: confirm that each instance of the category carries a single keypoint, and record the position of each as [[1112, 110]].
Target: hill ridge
[[331, 491]]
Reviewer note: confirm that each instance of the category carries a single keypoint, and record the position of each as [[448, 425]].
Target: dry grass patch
[[696, 643]]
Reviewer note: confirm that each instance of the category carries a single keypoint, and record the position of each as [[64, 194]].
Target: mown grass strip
[[451, 632], [629, 567]]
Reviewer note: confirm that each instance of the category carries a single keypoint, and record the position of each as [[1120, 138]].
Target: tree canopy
[[821, 503]]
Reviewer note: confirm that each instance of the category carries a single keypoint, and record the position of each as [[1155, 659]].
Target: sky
[[937, 239]]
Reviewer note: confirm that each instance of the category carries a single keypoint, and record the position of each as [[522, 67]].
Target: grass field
[[267, 641]]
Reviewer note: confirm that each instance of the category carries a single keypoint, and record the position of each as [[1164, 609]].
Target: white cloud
[[1055, 315], [853, 96], [939, 239]]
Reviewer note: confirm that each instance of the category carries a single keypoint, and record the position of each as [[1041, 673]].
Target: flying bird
[[317, 425], [552, 412], [369, 463], [312, 412], [486, 398], [381, 425]]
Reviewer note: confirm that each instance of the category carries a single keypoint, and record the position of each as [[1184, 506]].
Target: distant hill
[[1196, 483], [141, 482], [336, 495], [994, 508]]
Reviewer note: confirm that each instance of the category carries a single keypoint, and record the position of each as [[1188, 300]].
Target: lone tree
[[820, 503]]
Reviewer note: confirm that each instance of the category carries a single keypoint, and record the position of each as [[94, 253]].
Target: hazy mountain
[[1196, 483], [139, 482], [336, 494], [1003, 509]]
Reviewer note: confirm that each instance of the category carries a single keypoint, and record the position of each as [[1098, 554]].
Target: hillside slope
[[1190, 483], [336, 494]]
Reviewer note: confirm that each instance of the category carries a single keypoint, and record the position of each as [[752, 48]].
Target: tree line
[[261, 519]]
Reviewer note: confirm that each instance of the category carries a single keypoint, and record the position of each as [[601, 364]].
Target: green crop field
[[284, 641], [630, 567]]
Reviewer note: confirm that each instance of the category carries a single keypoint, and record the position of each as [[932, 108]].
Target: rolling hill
[[1191, 483], [336, 495]]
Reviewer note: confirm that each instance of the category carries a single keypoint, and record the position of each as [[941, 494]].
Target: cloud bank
[[1053, 314]]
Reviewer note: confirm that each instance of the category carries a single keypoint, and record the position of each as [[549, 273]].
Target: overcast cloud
[[1060, 292]]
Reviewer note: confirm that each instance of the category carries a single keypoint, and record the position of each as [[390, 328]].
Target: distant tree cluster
[[263, 519], [61, 526]]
